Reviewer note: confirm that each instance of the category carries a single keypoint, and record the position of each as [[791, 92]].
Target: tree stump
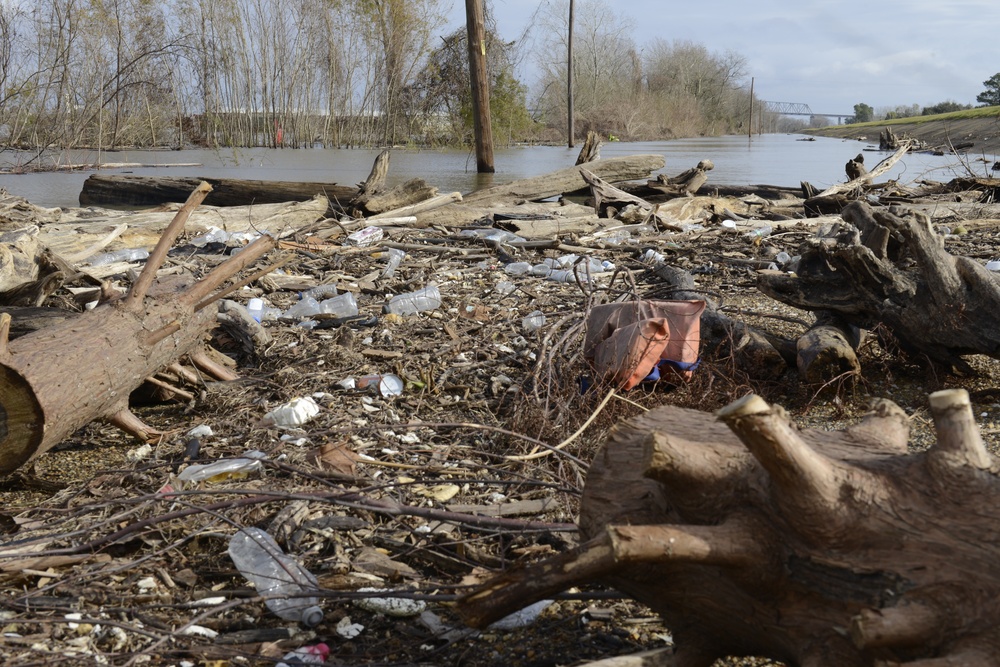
[[890, 267], [753, 537]]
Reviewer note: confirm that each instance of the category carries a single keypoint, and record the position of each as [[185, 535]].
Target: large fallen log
[[68, 374], [753, 537], [131, 190], [568, 180]]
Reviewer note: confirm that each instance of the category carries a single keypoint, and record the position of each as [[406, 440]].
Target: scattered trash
[[522, 618], [388, 385], [395, 257], [223, 469], [428, 298], [126, 255], [347, 629], [295, 413], [533, 322], [307, 655], [396, 607], [288, 588], [366, 236]]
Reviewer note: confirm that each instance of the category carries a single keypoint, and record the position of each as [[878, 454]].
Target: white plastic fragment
[[200, 631], [296, 412], [201, 431], [396, 607], [347, 629], [522, 618]]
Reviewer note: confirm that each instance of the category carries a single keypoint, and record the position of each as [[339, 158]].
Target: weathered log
[[604, 195], [66, 375], [77, 238], [828, 349], [567, 180], [753, 537], [591, 149], [410, 193], [688, 182], [891, 268], [131, 190]]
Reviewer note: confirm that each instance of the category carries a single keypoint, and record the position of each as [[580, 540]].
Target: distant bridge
[[800, 109]]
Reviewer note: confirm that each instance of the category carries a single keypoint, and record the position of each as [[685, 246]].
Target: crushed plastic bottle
[[395, 257], [993, 265], [213, 235], [428, 298], [223, 469], [533, 322], [288, 588], [653, 257], [782, 258], [505, 288], [517, 268], [307, 306], [307, 655], [126, 255]]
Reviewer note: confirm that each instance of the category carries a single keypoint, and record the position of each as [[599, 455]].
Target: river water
[[773, 159]]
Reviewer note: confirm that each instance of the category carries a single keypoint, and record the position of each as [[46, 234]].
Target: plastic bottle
[[653, 257], [517, 268], [427, 298], [214, 235], [307, 306], [284, 583], [223, 469], [342, 305], [759, 233], [322, 291], [307, 655], [126, 255], [255, 307], [395, 257], [533, 322]]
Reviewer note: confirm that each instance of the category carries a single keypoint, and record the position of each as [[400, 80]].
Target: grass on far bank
[[967, 114]]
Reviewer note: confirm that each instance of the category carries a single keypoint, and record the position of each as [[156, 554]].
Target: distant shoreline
[[983, 132]]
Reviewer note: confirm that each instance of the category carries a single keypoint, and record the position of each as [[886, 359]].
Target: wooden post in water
[[480, 86], [570, 129], [750, 121]]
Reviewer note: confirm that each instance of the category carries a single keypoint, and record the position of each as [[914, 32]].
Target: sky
[[828, 55]]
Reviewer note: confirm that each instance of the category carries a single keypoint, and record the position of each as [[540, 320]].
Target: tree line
[[336, 73]]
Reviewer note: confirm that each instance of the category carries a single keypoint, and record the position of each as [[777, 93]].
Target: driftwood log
[[130, 190], [753, 537], [66, 375], [890, 267], [568, 180]]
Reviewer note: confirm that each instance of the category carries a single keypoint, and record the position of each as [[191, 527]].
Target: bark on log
[[128, 190], [828, 349], [66, 375], [591, 149], [891, 268], [688, 182], [753, 537], [568, 180]]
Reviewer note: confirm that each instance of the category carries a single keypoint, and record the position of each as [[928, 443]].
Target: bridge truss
[[799, 109]]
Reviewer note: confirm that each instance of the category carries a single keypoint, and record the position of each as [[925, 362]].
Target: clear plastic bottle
[[307, 306], [255, 307], [428, 298], [342, 305], [517, 268], [533, 322], [126, 255], [288, 588], [395, 257], [322, 291]]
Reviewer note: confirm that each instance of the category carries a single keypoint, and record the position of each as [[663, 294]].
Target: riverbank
[[981, 127]]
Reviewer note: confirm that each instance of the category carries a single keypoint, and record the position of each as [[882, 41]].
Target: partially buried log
[[688, 182], [753, 537], [64, 376], [890, 267]]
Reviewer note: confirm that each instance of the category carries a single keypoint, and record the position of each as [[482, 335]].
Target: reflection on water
[[783, 160]]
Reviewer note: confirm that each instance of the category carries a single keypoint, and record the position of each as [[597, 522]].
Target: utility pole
[[480, 86], [569, 78]]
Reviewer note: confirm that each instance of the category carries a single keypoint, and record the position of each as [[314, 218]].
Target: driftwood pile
[[741, 533]]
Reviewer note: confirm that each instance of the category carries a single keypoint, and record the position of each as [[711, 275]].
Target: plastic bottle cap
[[312, 616]]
